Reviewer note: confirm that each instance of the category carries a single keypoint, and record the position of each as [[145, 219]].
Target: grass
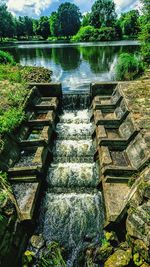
[[129, 67], [6, 58], [14, 90]]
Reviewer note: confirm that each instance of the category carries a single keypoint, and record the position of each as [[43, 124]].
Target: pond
[[74, 65]]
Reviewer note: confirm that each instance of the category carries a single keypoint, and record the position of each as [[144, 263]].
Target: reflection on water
[[74, 65]]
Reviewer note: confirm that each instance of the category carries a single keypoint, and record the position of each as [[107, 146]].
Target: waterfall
[[71, 211]]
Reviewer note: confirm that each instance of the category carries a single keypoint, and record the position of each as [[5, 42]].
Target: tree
[[28, 26], [20, 27], [35, 26], [144, 35], [7, 22], [129, 23], [44, 27], [54, 24], [86, 20], [68, 19], [103, 14]]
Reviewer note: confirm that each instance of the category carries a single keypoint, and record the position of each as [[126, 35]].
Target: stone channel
[[72, 159]]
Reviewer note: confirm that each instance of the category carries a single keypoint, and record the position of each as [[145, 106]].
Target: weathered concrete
[[127, 161], [43, 138], [27, 199], [48, 89], [42, 118], [111, 119], [100, 103], [47, 103], [114, 196], [117, 138], [102, 88]]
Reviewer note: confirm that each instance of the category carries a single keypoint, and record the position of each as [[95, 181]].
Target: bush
[[129, 67], [86, 33], [107, 34], [6, 58], [89, 33]]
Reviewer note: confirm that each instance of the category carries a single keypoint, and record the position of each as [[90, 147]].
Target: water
[[71, 212], [74, 65]]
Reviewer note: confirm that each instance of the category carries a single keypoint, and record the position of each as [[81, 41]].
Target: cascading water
[[72, 212]]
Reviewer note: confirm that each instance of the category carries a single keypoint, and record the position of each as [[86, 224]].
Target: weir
[[72, 159], [72, 204]]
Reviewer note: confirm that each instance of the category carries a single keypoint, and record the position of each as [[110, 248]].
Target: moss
[[27, 258], [137, 259], [52, 256]]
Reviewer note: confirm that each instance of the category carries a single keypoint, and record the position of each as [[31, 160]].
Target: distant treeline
[[100, 24]]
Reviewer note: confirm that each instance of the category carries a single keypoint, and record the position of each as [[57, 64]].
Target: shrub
[[86, 33], [129, 67], [107, 34], [6, 58]]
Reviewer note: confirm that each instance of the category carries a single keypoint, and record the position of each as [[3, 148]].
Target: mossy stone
[[119, 258]]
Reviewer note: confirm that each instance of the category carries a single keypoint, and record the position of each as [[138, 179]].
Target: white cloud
[[30, 7], [122, 6], [36, 7]]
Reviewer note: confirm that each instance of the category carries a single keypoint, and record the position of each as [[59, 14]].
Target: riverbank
[[69, 42], [14, 91]]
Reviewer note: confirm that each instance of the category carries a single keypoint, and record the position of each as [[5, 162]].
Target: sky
[[36, 8]]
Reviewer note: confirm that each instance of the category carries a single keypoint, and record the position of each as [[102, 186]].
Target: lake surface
[[74, 65]]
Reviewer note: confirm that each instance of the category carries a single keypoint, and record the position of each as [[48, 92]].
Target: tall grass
[[129, 67]]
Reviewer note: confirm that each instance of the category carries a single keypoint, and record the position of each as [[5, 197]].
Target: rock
[[124, 246], [147, 191], [112, 238], [103, 252], [137, 223], [141, 248], [120, 258], [145, 264], [137, 259], [37, 241]]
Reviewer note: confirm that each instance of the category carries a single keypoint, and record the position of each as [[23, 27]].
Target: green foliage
[[11, 119], [129, 23], [89, 33], [5, 190], [6, 58], [86, 20], [7, 72], [54, 24], [107, 34], [85, 34], [52, 257], [144, 35], [68, 19], [44, 27], [27, 258], [103, 14], [129, 67], [105, 242], [7, 22], [4, 184]]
